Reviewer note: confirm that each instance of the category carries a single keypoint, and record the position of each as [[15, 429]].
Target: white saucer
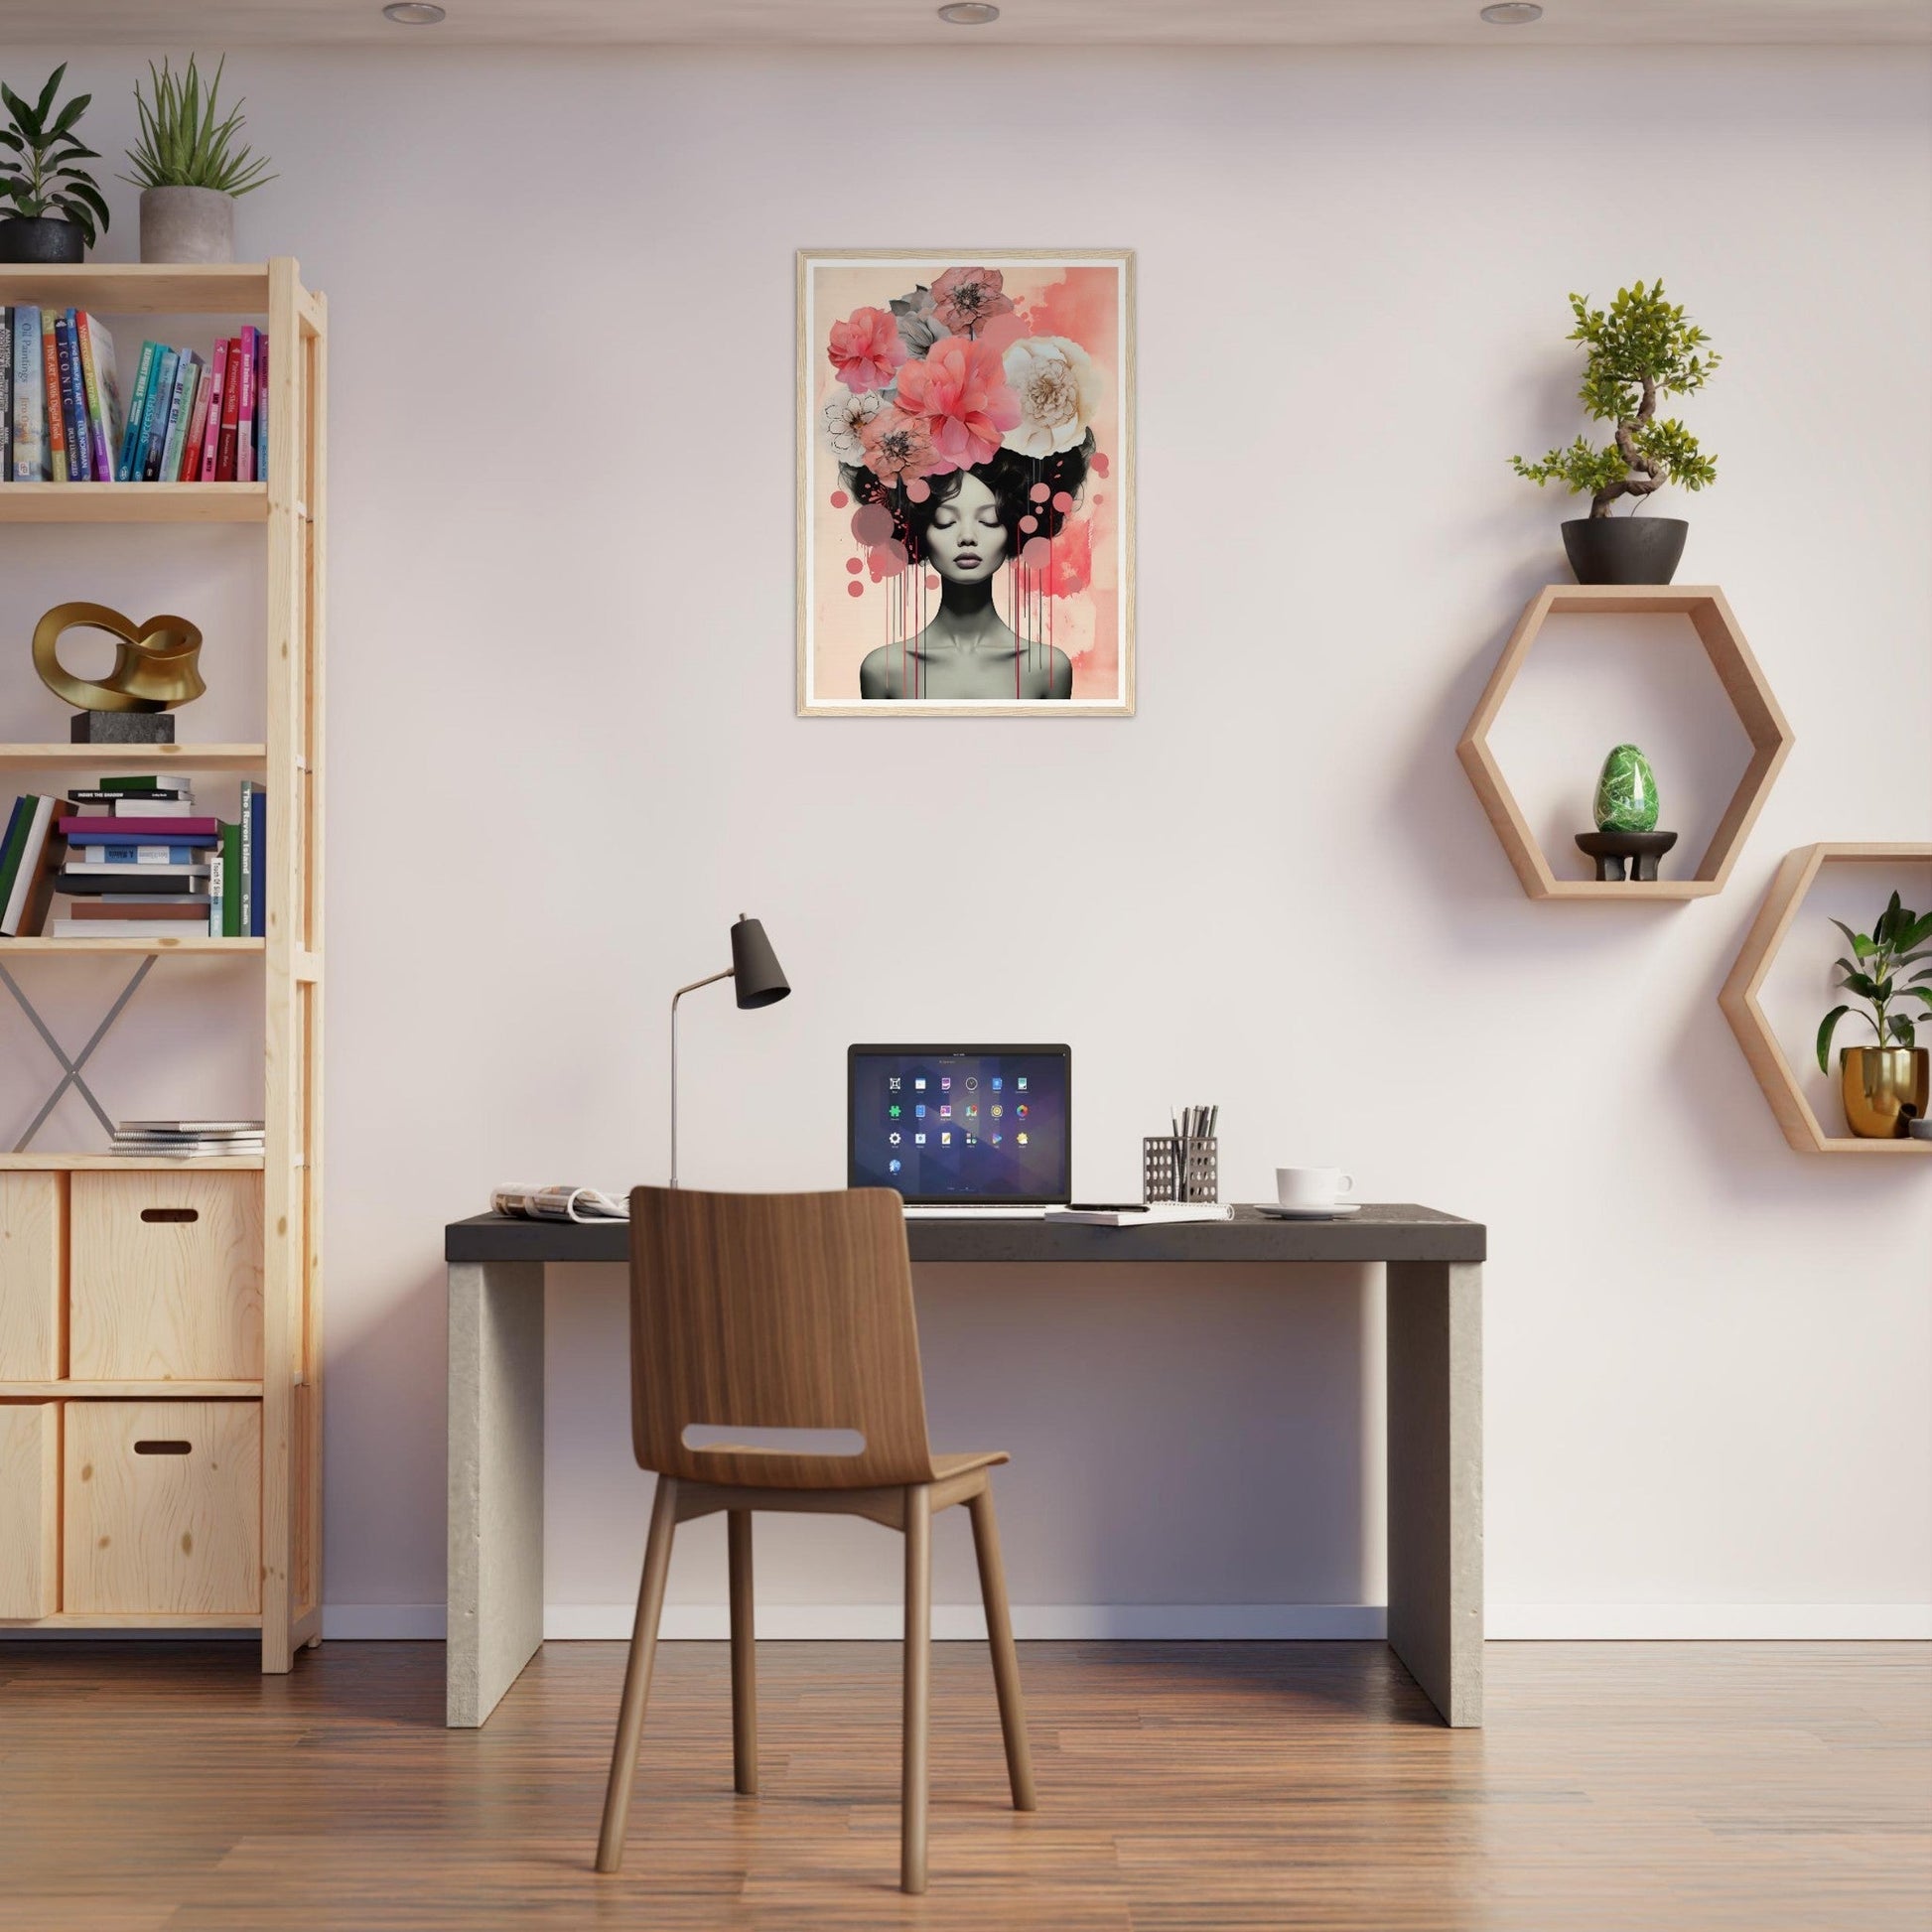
[[1276, 1213]]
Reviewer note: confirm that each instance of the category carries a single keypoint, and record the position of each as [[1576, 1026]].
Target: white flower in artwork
[[846, 417], [1059, 390]]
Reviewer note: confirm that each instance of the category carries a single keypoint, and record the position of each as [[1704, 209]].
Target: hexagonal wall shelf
[[1743, 683], [1795, 877]]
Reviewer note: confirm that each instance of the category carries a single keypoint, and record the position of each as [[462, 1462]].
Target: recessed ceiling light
[[1512, 13], [969, 13], [413, 13]]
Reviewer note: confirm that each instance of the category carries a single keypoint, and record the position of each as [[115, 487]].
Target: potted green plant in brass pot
[[1639, 350], [49, 208], [1884, 1085], [188, 167]]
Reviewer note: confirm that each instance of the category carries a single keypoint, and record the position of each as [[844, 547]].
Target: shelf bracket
[[72, 1075]]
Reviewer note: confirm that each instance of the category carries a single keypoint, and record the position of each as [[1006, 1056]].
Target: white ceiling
[[220, 24]]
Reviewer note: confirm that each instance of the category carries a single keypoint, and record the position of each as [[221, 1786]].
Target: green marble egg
[[1626, 793]]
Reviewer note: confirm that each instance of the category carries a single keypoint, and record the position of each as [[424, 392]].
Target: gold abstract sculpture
[[154, 662]]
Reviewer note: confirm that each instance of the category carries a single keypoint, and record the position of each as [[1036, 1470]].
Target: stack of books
[[186, 1140], [137, 862], [188, 419]]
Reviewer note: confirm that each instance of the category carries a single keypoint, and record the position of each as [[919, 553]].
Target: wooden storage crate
[[162, 1510], [33, 1269], [30, 1510], [166, 1278]]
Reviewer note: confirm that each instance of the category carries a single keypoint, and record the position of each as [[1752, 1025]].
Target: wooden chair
[[793, 1311]]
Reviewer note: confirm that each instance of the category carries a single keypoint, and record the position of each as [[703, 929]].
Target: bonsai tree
[[1897, 941], [1641, 349], [183, 145], [38, 178]]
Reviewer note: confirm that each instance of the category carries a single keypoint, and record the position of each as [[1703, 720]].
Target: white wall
[[564, 757]]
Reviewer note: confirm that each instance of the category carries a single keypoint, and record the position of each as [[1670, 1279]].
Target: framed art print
[[966, 484]]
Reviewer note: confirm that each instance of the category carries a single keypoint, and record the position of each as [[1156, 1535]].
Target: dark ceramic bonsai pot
[[40, 238], [1624, 549]]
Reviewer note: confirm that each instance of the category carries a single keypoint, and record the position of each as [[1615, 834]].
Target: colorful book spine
[[73, 401], [32, 881], [244, 468], [6, 394], [98, 373], [247, 882], [160, 401], [230, 894], [56, 418], [137, 407], [191, 447], [10, 846], [218, 385], [175, 831], [258, 864], [30, 440], [178, 410], [144, 855], [230, 408], [261, 407]]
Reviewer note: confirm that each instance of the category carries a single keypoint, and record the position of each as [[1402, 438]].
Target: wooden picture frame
[[966, 483]]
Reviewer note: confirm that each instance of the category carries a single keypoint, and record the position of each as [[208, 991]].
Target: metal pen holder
[[1180, 1167]]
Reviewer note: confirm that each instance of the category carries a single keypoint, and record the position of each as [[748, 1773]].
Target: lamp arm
[[710, 980]]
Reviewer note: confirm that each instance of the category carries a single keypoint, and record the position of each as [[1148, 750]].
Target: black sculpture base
[[1611, 849], [122, 728]]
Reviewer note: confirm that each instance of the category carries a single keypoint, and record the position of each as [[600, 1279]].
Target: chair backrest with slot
[[774, 1311]]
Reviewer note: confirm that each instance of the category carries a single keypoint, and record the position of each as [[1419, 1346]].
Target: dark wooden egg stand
[[1611, 849]]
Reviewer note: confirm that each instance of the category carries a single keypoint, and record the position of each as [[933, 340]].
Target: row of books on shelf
[[186, 1140], [135, 862], [189, 418]]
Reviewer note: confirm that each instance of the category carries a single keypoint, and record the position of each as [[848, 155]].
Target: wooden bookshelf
[[145, 503], [287, 510], [194, 757]]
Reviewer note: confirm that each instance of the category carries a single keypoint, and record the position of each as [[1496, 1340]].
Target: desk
[[1433, 1266]]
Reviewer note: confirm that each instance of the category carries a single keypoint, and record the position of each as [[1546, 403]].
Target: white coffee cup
[[1311, 1187]]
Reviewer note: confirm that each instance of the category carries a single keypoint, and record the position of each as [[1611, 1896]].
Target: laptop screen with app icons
[[989, 1125]]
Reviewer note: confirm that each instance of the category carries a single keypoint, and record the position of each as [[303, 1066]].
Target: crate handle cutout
[[163, 1447], [170, 1214], [750, 1440]]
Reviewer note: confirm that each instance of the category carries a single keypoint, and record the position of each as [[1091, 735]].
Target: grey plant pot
[[187, 225]]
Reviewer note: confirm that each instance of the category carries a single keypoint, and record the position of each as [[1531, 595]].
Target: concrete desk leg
[[495, 1589], [1435, 1322]]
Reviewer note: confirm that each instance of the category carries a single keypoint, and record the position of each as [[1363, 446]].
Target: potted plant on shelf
[[49, 207], [1641, 349], [1884, 1086], [189, 168]]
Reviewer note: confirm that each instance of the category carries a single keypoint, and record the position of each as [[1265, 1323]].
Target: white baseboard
[[1708, 1622], [1196, 1623]]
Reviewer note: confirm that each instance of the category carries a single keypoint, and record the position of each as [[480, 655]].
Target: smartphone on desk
[[1106, 1207]]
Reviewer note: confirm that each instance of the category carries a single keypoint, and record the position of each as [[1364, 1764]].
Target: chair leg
[[637, 1676], [1006, 1659], [745, 1670], [919, 1687]]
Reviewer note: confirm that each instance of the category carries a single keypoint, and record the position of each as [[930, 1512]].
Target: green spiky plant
[[38, 176], [1898, 939], [1638, 350], [183, 145]]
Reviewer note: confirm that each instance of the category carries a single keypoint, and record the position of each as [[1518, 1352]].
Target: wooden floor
[[1624, 1787]]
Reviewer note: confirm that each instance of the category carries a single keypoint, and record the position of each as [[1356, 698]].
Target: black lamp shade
[[757, 977]]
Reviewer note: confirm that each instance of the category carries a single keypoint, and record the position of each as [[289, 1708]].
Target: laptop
[[962, 1129]]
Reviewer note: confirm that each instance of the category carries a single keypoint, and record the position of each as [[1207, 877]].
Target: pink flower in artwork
[[865, 349], [961, 391], [963, 298], [897, 445]]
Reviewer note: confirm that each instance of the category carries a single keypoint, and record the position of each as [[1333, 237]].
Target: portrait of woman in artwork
[[960, 431]]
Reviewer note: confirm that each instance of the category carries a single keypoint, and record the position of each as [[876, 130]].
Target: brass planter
[[1885, 1087]]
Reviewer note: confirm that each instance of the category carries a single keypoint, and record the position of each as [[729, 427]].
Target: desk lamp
[[760, 982]]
